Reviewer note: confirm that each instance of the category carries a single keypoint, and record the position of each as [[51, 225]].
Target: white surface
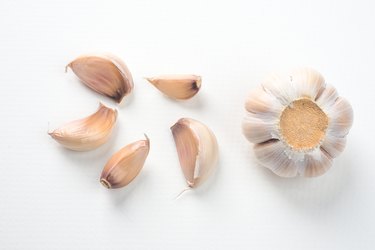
[[50, 198]]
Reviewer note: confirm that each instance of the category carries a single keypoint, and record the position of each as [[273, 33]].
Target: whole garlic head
[[297, 122]]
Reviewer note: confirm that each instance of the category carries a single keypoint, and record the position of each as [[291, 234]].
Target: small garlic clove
[[177, 86], [105, 74], [125, 165], [197, 150], [87, 133]]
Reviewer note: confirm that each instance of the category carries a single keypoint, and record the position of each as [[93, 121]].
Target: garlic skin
[[125, 165], [87, 133], [197, 150], [297, 123], [105, 74], [180, 87]]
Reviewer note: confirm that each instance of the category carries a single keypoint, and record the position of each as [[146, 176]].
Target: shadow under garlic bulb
[[297, 122]]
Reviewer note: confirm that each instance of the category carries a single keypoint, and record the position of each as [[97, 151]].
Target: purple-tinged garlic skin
[[125, 165], [180, 87], [105, 74]]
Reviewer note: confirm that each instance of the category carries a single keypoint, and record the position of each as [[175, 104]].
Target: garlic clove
[[197, 150], [87, 133], [257, 130], [272, 155], [177, 86], [316, 163], [307, 82], [333, 145], [105, 74], [341, 118], [125, 165]]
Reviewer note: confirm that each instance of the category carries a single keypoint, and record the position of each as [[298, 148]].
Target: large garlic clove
[[177, 86], [197, 149], [87, 133], [272, 155], [125, 165], [105, 74]]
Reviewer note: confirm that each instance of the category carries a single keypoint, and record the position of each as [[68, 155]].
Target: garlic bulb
[[197, 149], [125, 165], [105, 74], [87, 133], [177, 86], [298, 123]]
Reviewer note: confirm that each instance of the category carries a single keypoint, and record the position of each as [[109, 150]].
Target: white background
[[50, 198]]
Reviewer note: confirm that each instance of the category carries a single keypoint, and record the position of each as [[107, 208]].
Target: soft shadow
[[196, 102], [126, 101], [121, 195], [94, 159], [313, 194]]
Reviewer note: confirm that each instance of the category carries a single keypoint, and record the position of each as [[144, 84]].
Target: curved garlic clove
[[197, 150], [105, 74], [177, 86], [87, 133], [125, 165]]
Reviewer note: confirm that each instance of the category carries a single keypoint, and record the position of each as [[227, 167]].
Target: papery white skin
[[261, 124], [106, 74], [87, 133], [197, 149]]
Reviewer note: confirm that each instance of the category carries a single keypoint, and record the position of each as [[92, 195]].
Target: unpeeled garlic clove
[[105, 74], [197, 150], [87, 133], [177, 86], [125, 165]]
